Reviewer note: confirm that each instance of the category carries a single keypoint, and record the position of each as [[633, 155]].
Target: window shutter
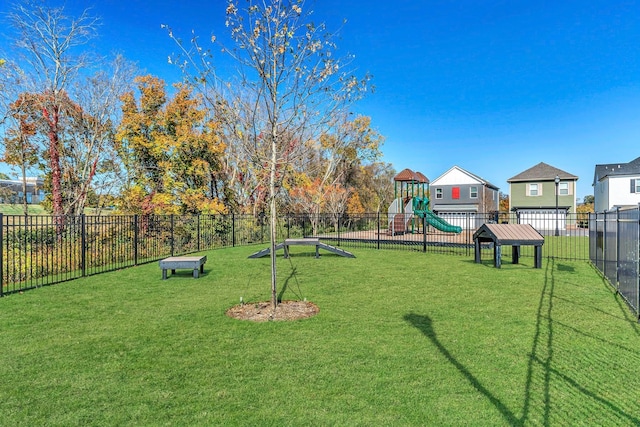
[[633, 185]]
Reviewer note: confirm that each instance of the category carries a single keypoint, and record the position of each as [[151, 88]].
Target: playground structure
[[410, 207]]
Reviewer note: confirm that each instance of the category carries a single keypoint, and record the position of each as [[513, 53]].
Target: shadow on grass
[[566, 268], [425, 325], [624, 307], [540, 357], [626, 316], [285, 286]]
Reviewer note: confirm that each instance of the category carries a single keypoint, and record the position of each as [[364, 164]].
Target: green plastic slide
[[421, 209], [440, 224]]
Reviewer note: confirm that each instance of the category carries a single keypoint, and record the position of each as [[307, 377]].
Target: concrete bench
[[195, 263]]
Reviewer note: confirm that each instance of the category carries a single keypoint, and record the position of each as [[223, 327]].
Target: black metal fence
[[43, 250], [615, 250]]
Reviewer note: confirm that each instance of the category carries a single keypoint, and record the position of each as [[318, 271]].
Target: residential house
[[543, 196], [616, 185], [11, 190], [459, 195]]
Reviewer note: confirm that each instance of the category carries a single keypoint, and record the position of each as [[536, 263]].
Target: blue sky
[[493, 86]]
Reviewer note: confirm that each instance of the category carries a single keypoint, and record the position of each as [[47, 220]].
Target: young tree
[[292, 88]]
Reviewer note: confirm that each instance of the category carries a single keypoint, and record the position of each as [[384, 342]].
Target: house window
[[473, 192], [455, 193], [534, 190], [438, 193], [563, 189], [635, 185]]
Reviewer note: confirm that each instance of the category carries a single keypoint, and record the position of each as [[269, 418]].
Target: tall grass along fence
[[615, 250], [43, 250]]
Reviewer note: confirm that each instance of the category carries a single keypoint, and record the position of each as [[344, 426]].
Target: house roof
[[472, 175], [542, 172], [613, 169]]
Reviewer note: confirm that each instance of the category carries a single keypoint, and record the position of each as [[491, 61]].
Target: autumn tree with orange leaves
[[172, 152]]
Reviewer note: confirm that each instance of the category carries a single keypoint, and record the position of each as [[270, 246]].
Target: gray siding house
[[459, 195]]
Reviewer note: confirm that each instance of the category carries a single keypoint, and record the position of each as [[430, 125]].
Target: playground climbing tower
[[407, 185]]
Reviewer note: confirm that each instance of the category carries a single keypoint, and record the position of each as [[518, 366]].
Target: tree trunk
[[54, 158], [274, 218], [25, 206]]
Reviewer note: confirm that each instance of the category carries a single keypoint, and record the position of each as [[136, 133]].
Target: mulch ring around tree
[[263, 311]]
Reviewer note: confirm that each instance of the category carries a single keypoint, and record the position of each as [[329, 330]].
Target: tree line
[[281, 135]]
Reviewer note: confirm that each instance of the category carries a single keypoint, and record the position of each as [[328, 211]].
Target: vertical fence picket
[[637, 263], [378, 231], [171, 238], [83, 244], [2, 231]]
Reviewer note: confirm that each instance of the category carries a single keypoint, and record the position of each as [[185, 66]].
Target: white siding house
[[616, 185]]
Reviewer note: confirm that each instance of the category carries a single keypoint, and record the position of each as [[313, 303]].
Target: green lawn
[[402, 338], [18, 209]]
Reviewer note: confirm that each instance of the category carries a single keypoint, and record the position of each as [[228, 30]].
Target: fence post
[[468, 231], [233, 229], [172, 236], [83, 244], [1, 254], [604, 243], [596, 230], [637, 265], [135, 239], [289, 226], [424, 233], [378, 238], [198, 231], [617, 247], [338, 230]]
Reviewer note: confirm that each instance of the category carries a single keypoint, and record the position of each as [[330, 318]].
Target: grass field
[[400, 339], [18, 209]]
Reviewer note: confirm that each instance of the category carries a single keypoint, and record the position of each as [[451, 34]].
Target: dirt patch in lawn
[[263, 311]]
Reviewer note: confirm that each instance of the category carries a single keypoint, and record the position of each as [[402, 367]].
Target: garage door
[[543, 219], [461, 219]]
